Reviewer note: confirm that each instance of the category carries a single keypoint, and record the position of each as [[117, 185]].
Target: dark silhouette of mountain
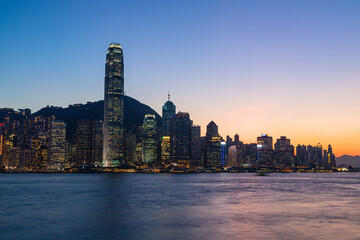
[[134, 112], [353, 161]]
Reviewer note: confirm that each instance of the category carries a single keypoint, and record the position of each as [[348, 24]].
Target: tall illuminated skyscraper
[[113, 107], [168, 110], [149, 146]]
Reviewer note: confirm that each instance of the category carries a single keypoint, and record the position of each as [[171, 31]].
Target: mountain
[[134, 112], [353, 161]]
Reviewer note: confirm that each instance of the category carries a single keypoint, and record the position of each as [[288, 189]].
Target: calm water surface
[[180, 206]]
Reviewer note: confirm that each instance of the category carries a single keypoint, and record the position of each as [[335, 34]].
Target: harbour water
[[180, 206]]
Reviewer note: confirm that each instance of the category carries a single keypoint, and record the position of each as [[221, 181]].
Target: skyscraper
[[265, 149], [113, 107], [149, 146], [213, 146], [180, 136], [83, 142], [168, 110], [57, 144], [284, 152], [195, 142]]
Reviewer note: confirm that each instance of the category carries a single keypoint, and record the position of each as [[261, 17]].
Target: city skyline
[[299, 82]]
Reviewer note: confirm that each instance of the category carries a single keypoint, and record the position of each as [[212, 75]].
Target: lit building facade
[[265, 150], [213, 152], [165, 148], [168, 110], [223, 154], [57, 144], [113, 134], [149, 144]]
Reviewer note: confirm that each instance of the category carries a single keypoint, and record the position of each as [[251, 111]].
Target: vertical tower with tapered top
[[113, 107]]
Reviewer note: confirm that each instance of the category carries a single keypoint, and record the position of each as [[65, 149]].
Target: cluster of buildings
[[37, 143]]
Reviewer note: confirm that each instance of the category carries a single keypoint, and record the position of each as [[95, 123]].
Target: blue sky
[[282, 67]]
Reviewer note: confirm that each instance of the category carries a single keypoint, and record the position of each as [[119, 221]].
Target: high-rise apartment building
[[113, 107]]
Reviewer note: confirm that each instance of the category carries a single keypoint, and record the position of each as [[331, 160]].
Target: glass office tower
[[113, 107]]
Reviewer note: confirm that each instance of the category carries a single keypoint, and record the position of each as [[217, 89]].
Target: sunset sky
[[286, 68]]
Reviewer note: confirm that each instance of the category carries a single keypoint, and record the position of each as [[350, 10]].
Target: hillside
[[353, 161], [134, 112]]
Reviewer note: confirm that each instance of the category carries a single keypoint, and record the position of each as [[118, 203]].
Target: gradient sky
[[286, 68]]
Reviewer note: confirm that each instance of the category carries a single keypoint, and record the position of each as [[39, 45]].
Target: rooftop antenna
[[168, 95]]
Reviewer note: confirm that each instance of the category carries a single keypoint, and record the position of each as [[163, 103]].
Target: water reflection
[[180, 206]]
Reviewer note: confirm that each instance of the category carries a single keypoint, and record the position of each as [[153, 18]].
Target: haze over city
[[282, 68]]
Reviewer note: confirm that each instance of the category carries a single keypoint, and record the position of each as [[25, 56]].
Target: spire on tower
[[168, 95]]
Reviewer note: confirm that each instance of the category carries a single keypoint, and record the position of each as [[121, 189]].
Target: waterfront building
[[165, 148], [235, 155], [213, 152], [168, 110], [149, 144], [250, 153], [301, 156], [180, 136], [83, 142], [57, 142], [1, 145], [265, 150], [284, 152], [223, 154], [329, 159], [96, 142], [130, 148], [195, 142], [113, 125]]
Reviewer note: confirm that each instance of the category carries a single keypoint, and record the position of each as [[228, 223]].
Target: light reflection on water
[[180, 206]]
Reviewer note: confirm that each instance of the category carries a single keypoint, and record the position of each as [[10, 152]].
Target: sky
[[285, 68]]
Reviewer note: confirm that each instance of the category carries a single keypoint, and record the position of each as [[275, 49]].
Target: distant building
[[165, 148], [83, 142], [180, 136], [57, 142], [97, 142], [195, 142], [212, 130], [284, 152], [301, 156], [213, 146], [265, 150], [149, 144], [213, 152], [329, 159], [235, 155], [223, 154], [113, 134], [130, 148], [168, 110]]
